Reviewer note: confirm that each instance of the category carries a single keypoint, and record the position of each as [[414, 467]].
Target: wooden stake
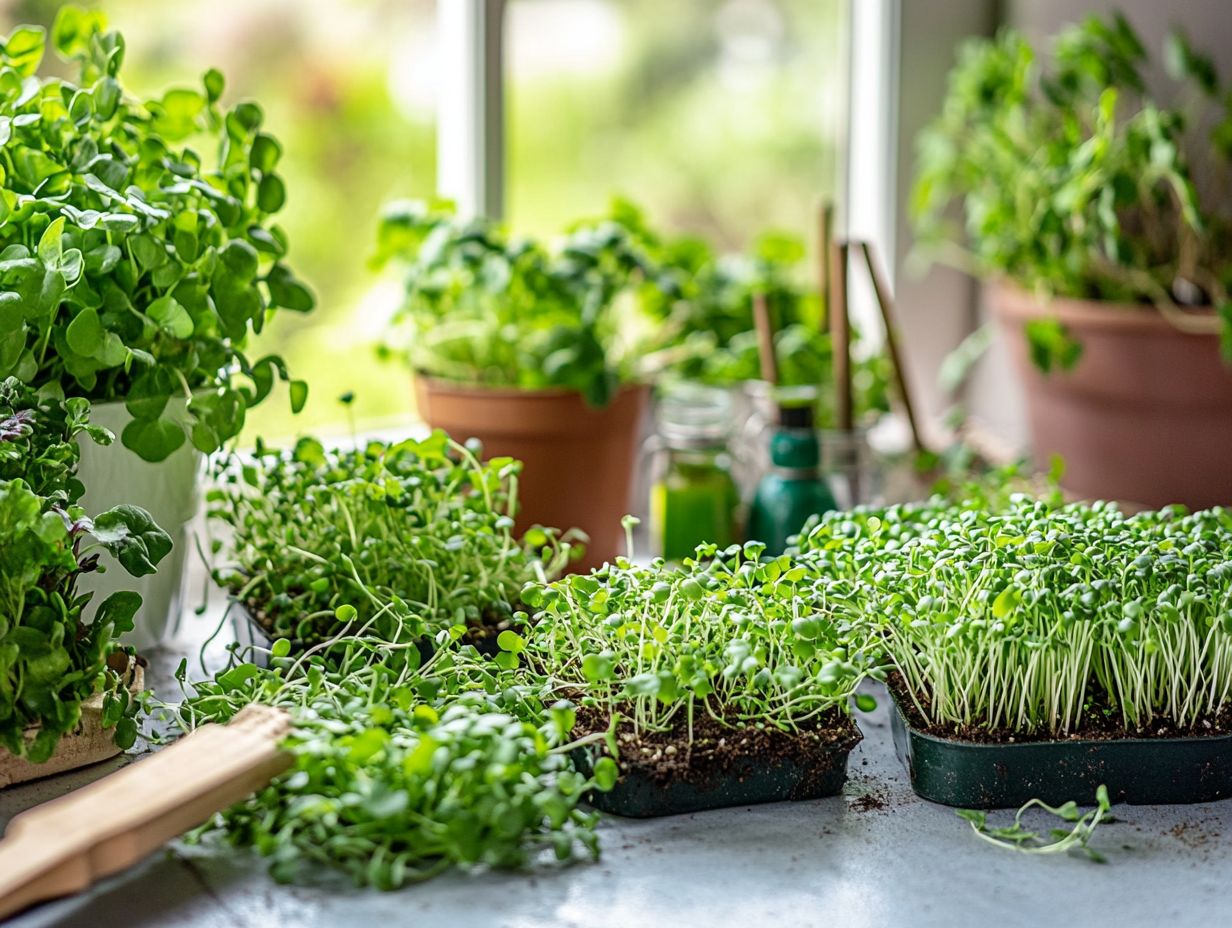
[[881, 289], [765, 339], [63, 846], [826, 237], [840, 332]]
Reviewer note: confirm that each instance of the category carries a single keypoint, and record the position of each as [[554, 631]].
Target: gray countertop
[[844, 862]]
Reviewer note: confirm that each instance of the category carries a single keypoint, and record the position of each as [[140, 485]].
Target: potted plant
[[1097, 213], [413, 539], [133, 270], [64, 672], [710, 684], [533, 351], [1041, 651]]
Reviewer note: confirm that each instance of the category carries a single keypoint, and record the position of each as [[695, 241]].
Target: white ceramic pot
[[170, 492]]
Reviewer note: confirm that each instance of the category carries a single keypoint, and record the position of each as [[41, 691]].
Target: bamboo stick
[[840, 331], [765, 340], [881, 289], [825, 239]]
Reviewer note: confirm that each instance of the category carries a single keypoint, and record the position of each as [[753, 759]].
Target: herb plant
[[132, 268], [1072, 181], [52, 656], [708, 333], [487, 309], [1030, 619], [1015, 837], [417, 534], [725, 635], [402, 770]]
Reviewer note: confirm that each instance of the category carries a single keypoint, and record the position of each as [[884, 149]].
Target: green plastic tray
[[1139, 771]]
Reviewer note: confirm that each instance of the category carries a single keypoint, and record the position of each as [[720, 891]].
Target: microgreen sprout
[[1017, 619], [1016, 837], [726, 635], [418, 534], [401, 769]]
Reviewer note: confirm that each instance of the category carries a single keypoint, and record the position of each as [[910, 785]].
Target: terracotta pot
[[578, 461], [1144, 417]]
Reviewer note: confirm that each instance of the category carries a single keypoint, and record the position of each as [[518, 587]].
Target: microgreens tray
[[749, 780], [1139, 771]]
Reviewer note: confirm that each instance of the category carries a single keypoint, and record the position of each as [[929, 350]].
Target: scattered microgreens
[[1017, 838], [418, 533], [726, 634], [51, 656], [1013, 620], [402, 770]]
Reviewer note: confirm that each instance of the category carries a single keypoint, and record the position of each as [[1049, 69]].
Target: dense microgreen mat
[[727, 634], [1022, 619], [54, 643], [403, 769], [132, 267], [419, 532]]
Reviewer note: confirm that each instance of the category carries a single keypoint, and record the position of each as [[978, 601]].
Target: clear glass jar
[[694, 497], [848, 463]]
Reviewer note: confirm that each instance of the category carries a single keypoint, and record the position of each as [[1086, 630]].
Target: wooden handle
[[63, 846]]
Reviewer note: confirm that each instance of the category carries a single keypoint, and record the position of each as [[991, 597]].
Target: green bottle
[[794, 489]]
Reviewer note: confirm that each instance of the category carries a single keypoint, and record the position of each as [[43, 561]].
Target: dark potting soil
[[818, 747], [1098, 722]]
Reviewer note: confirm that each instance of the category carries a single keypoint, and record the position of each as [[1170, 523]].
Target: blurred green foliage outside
[[719, 117]]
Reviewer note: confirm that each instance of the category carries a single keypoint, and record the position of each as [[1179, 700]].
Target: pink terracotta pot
[[578, 461], [1145, 417]]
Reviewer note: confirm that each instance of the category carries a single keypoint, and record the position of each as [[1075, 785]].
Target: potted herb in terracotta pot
[[711, 684], [1100, 216], [65, 701], [1044, 651], [532, 351], [133, 269]]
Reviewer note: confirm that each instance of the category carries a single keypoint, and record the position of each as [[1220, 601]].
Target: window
[[719, 118]]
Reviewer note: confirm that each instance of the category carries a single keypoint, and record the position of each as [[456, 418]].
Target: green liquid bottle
[[794, 489], [694, 499]]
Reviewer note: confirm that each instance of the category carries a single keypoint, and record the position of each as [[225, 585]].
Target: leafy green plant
[[1016, 837], [402, 770], [416, 536], [725, 635], [484, 308], [703, 305], [130, 267], [1071, 180], [52, 657], [1027, 619]]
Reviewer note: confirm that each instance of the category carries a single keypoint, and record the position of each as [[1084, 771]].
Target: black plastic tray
[[1139, 771], [749, 781]]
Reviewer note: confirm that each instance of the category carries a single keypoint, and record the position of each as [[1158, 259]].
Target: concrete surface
[[840, 863]]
